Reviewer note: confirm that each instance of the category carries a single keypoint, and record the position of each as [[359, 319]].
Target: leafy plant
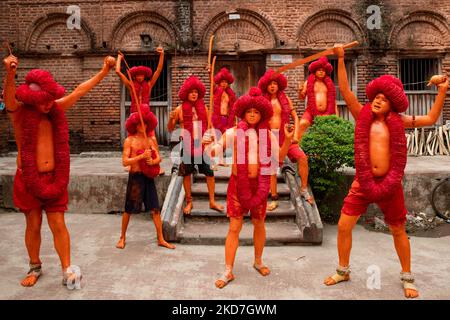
[[329, 146]]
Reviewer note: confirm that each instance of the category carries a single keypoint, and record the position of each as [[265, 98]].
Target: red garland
[[377, 189], [143, 92], [285, 112], [216, 111], [246, 198], [331, 97], [188, 124], [30, 124], [150, 171]]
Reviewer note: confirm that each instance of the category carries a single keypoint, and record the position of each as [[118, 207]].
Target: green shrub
[[329, 146]]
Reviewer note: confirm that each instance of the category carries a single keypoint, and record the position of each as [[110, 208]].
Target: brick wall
[[299, 28]]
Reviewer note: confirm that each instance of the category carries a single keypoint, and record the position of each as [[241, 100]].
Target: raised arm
[[119, 72], [69, 100], [302, 90], [433, 114], [349, 97], [152, 82], [9, 96], [288, 135], [173, 119]]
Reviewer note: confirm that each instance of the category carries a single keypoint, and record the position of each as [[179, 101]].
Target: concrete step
[[202, 212], [223, 174], [214, 233], [201, 189]]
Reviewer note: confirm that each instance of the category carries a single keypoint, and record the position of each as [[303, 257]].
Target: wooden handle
[[211, 93], [327, 52], [210, 49]]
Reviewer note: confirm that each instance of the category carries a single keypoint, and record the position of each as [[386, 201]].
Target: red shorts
[[295, 153], [393, 209], [308, 116], [26, 202], [234, 208]]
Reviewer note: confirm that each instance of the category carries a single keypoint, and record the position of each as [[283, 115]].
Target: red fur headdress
[[134, 120], [321, 63], [254, 99], [223, 74], [392, 88], [146, 71], [269, 76], [39, 88], [189, 84]]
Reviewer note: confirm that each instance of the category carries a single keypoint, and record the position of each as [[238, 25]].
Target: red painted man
[[223, 115], [143, 158], [250, 176], [43, 161], [273, 85], [380, 160], [142, 80], [320, 91], [193, 119]]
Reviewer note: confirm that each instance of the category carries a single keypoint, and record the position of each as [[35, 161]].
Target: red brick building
[[412, 42]]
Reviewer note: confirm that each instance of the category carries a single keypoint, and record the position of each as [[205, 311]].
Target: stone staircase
[[289, 224]]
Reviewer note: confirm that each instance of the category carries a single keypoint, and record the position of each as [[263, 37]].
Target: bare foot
[[29, 280], [187, 210], [272, 206], [224, 280], [335, 279], [262, 269], [216, 206], [164, 243], [121, 243], [411, 293]]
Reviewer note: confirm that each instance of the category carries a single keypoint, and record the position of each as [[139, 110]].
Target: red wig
[[146, 71], [253, 99], [223, 74], [321, 63], [392, 88], [189, 84], [39, 88], [134, 120], [269, 76]]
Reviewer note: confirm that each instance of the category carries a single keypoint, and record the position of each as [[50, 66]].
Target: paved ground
[[145, 271]]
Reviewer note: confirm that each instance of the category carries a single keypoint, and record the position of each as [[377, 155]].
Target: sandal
[[342, 274], [408, 284], [72, 278], [263, 270], [224, 280], [35, 271]]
